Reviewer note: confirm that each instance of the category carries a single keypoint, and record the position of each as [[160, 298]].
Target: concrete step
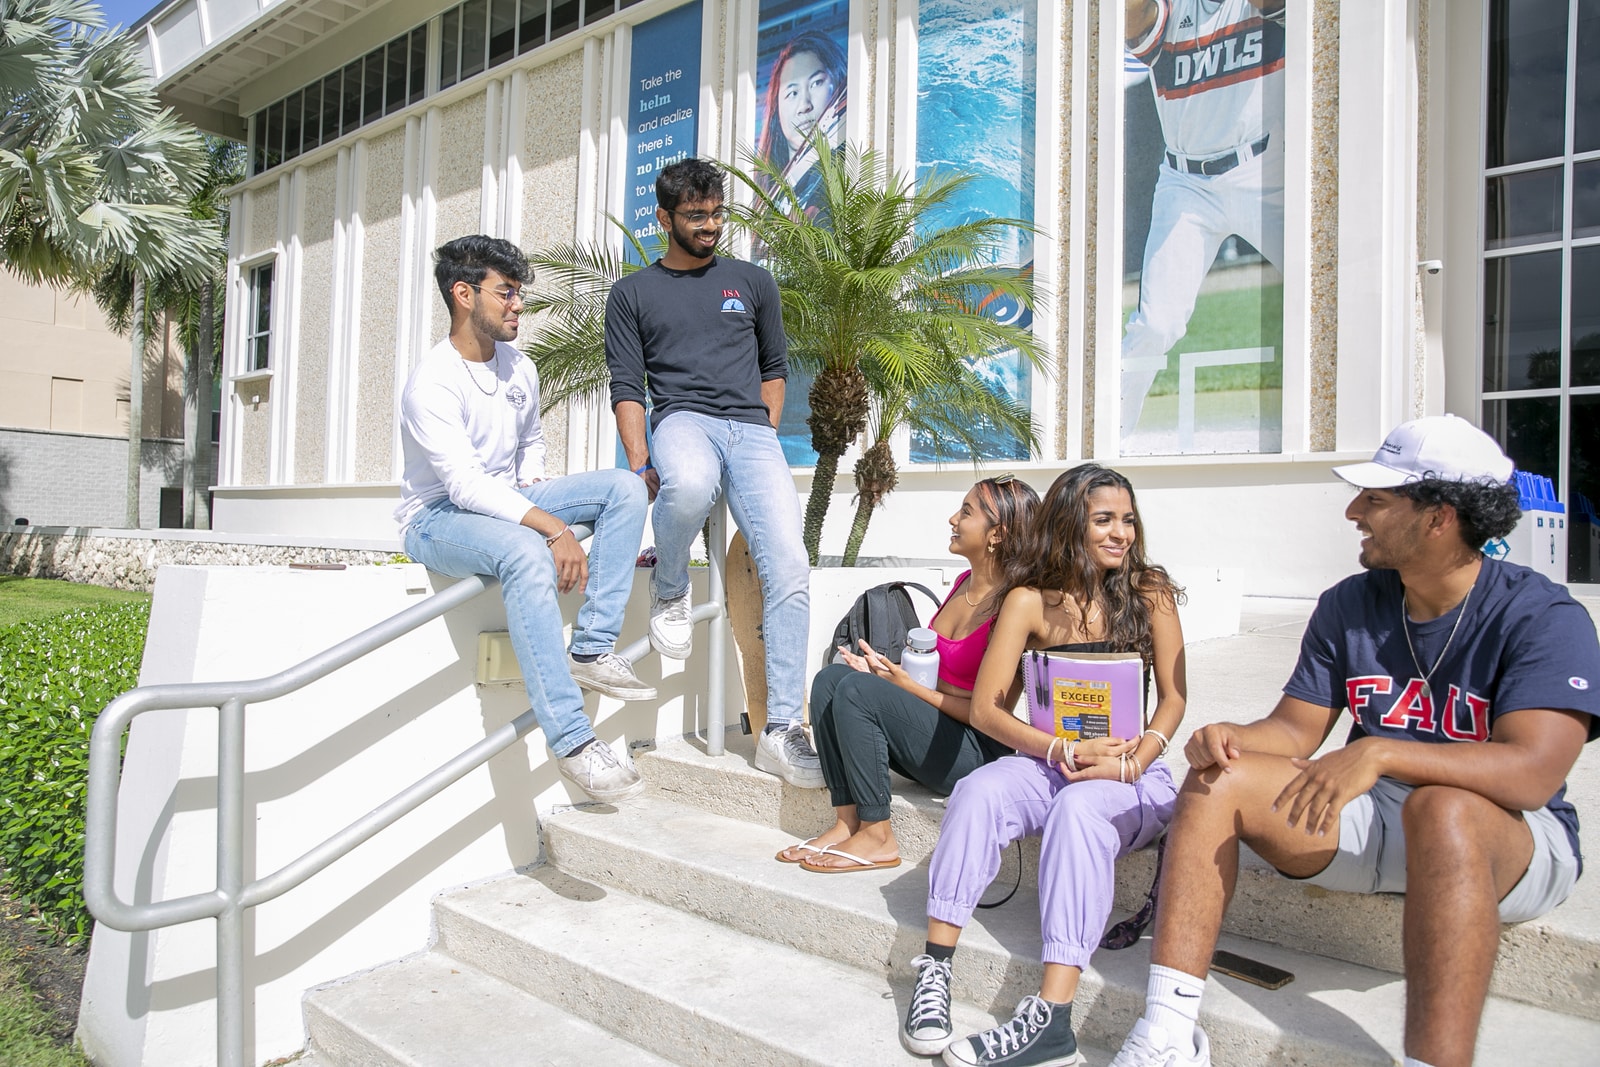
[[690, 990], [721, 869], [432, 1011], [1551, 962]]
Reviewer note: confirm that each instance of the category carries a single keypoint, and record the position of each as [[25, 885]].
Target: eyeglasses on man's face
[[700, 218], [507, 295]]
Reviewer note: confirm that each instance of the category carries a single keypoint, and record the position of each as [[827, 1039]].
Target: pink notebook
[[1079, 695]]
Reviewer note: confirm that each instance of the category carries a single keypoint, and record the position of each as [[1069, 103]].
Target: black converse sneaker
[[927, 1028], [1040, 1035]]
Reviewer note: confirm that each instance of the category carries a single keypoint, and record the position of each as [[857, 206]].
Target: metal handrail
[[232, 896]]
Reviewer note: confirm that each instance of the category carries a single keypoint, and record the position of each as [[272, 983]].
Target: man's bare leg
[[1463, 854], [1216, 811]]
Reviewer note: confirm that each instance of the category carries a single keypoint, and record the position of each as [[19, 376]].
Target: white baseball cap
[[1439, 446]]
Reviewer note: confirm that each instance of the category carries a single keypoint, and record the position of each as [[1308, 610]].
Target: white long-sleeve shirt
[[463, 443]]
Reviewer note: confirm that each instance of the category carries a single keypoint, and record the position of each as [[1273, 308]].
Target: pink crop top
[[959, 658]]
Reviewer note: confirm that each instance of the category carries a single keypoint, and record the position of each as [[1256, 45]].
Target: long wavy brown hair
[[1049, 554], [1009, 503]]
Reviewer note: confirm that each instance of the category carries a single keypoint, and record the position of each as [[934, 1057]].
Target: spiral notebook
[[1080, 695]]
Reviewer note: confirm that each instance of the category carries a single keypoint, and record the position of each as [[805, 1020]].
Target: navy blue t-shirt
[[1523, 642]]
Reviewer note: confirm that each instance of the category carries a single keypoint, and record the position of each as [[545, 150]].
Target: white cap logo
[[1578, 683]]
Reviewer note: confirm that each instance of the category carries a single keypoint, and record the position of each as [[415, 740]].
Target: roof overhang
[[205, 54]]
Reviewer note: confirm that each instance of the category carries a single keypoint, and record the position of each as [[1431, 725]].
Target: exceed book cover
[[1079, 695]]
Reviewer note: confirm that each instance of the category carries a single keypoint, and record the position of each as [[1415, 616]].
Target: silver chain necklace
[[1405, 624], [493, 362]]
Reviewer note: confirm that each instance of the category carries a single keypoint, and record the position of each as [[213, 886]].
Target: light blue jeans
[[459, 543], [699, 458]]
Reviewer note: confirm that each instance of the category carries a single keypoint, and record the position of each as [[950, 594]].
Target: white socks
[[1172, 1002]]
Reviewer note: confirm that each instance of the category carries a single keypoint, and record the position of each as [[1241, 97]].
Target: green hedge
[[55, 677]]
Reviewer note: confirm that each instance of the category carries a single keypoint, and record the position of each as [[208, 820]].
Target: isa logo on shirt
[[731, 302]]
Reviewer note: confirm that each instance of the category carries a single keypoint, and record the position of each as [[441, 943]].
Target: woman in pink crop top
[[869, 717]]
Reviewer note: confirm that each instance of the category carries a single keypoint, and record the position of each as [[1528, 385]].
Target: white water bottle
[[921, 657]]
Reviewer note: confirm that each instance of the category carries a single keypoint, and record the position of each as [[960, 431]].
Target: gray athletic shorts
[[1372, 854]]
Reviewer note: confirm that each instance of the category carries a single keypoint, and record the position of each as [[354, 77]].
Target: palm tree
[[881, 300], [191, 308], [93, 171]]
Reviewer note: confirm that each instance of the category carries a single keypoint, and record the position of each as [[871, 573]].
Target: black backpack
[[882, 615]]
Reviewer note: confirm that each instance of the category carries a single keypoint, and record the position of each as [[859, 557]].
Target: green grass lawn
[[29, 1037], [26, 599]]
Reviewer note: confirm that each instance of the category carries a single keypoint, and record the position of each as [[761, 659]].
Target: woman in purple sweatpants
[[1085, 585]]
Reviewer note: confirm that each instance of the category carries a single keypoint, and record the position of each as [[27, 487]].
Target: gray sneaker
[[601, 773], [611, 675], [788, 754], [671, 630]]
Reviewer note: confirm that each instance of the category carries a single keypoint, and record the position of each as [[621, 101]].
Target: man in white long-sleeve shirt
[[476, 500]]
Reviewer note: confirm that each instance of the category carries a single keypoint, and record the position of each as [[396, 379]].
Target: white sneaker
[[1151, 1046], [671, 631], [789, 755], [611, 675], [601, 773]]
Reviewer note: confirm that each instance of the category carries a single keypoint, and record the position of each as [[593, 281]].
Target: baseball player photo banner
[[977, 85], [802, 83], [1203, 165]]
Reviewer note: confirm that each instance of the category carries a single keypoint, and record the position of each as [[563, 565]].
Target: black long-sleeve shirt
[[706, 338]]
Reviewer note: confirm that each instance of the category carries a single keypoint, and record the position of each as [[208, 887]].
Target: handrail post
[[230, 883], [717, 646]]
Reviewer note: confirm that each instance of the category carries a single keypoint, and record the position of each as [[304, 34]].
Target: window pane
[[531, 33], [563, 18], [293, 126], [502, 31], [1586, 199], [1522, 322], [394, 81], [332, 95], [350, 110], [372, 86], [1527, 80], [1586, 113], [1522, 209], [417, 67], [313, 114], [258, 160], [450, 49], [474, 20], [1529, 429], [1585, 332], [595, 10], [272, 139], [1583, 476]]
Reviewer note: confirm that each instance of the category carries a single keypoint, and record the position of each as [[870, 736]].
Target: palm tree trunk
[[858, 531], [817, 503], [135, 402]]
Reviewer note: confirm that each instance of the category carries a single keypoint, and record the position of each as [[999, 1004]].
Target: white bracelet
[[1072, 757], [1051, 747], [1165, 741]]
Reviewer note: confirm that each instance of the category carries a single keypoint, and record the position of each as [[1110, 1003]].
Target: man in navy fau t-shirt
[[1472, 685]]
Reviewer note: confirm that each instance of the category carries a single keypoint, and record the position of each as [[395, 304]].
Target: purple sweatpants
[[1085, 826]]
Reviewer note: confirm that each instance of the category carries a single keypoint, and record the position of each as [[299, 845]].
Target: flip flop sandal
[[861, 864], [803, 846]]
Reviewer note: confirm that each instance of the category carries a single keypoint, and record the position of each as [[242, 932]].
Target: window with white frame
[[1541, 252], [258, 325]]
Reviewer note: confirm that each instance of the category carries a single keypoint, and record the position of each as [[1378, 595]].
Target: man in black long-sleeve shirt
[[707, 333]]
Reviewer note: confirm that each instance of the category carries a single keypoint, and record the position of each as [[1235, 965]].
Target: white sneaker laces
[[930, 1001], [1032, 1016]]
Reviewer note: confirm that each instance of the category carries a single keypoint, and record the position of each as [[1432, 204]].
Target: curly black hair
[[689, 179], [1486, 510], [470, 259]]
